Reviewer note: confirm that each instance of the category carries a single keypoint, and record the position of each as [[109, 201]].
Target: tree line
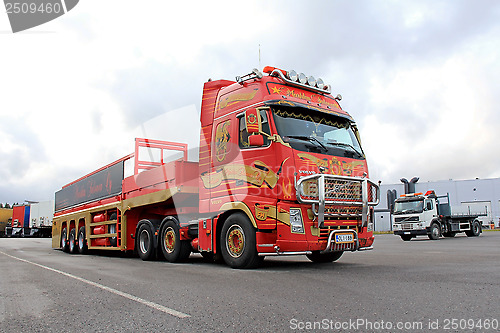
[[6, 205]]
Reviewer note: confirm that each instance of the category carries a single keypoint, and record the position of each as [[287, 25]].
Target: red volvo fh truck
[[280, 171]]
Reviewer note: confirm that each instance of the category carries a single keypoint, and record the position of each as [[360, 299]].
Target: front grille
[[406, 219], [342, 190], [407, 226]]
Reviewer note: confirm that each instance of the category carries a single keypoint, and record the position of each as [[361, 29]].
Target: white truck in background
[[422, 214]]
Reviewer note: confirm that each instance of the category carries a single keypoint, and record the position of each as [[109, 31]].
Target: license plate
[[344, 238]]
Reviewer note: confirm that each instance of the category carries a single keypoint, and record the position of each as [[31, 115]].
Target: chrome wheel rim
[[169, 240], [235, 241], [144, 241]]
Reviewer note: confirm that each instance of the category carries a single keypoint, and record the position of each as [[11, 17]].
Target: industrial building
[[476, 194]]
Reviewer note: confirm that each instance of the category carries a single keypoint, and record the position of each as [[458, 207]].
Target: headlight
[[309, 188], [296, 223]]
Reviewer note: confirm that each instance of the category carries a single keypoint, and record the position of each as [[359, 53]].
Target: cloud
[[420, 78]]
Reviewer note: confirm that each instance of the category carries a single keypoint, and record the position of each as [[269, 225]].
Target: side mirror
[[256, 140], [253, 121], [429, 205]]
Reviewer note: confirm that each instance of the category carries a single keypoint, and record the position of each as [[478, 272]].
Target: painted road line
[[111, 290]]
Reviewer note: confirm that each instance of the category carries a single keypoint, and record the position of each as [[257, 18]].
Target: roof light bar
[[300, 79]]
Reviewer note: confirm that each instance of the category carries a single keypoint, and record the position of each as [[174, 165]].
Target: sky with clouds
[[421, 79]]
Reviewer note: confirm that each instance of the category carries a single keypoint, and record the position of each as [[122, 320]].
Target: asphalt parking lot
[[451, 285]]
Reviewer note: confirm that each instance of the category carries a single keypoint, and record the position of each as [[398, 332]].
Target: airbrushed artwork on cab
[[334, 165], [256, 174]]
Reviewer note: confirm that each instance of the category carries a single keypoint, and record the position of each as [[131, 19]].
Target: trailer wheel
[[112, 230], [64, 239], [435, 231], [173, 248], [238, 242], [145, 244], [475, 230], [317, 256], [82, 242], [406, 238], [72, 241]]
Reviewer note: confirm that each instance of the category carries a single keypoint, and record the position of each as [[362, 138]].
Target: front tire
[[406, 238], [317, 256], [238, 242], [173, 248], [435, 231], [145, 242]]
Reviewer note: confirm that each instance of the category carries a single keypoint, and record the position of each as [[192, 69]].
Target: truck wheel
[[317, 256], [72, 241], [173, 248], [238, 242], [145, 244], [112, 230], [406, 238], [435, 231], [475, 230], [82, 242], [64, 239]]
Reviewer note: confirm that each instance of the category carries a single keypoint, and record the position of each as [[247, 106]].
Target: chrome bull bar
[[332, 190]]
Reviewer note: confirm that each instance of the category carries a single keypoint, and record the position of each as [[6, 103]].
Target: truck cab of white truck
[[422, 214]]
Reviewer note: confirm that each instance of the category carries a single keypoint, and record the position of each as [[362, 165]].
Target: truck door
[[429, 211], [243, 168]]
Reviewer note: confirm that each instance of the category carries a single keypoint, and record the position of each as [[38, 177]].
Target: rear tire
[[82, 242], [238, 242], [72, 241], [145, 242], [406, 238], [475, 230], [435, 231], [317, 256], [112, 230], [64, 240], [173, 248]]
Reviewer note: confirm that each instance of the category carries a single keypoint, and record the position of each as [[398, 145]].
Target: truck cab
[[413, 214]]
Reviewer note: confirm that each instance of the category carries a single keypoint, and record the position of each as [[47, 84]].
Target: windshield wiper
[[308, 138], [343, 144]]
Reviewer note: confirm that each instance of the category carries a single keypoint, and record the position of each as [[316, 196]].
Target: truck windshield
[[406, 207], [308, 131]]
